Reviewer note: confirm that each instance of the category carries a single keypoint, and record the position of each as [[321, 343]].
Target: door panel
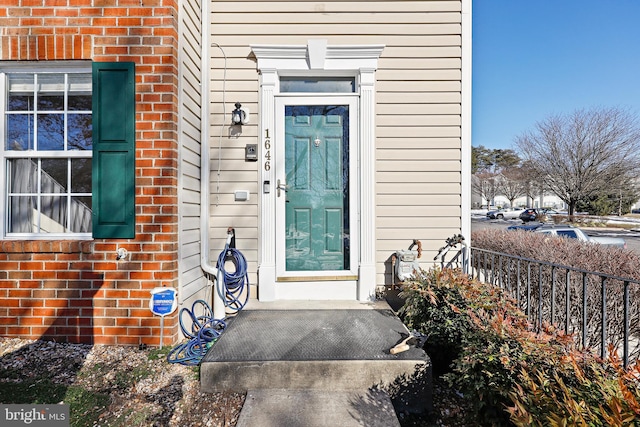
[[316, 170]]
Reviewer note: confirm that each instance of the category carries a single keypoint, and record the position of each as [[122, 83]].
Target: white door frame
[[318, 59]]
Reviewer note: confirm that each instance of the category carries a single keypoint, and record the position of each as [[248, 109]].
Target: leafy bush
[[508, 373], [578, 392], [445, 305]]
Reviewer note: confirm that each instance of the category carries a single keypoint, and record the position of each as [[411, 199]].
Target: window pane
[[54, 176], [79, 92], [79, 102], [50, 132], [20, 96], [80, 215], [81, 176], [23, 176], [79, 132], [19, 132], [21, 214], [311, 84], [51, 102], [53, 215], [51, 92]]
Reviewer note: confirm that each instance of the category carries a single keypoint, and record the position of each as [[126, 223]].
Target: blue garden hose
[[205, 330], [237, 282]]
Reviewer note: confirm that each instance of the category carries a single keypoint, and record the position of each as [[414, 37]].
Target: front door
[[314, 191]]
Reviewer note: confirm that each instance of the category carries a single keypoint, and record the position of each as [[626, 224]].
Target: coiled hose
[[205, 330], [236, 284]]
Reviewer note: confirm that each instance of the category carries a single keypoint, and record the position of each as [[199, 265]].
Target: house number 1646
[[267, 151]]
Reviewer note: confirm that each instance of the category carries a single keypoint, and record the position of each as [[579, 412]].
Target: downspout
[[205, 264]]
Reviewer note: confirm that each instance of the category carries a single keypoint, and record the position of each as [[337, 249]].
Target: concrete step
[[320, 350], [316, 408]]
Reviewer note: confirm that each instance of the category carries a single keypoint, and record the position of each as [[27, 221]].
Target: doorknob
[[281, 186]]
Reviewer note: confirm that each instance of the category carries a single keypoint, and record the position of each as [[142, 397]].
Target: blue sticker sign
[[163, 301]]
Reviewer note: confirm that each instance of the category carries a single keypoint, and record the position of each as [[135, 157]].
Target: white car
[[570, 232], [506, 213]]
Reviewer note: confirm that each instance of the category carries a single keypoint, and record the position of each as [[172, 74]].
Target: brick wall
[[77, 291]]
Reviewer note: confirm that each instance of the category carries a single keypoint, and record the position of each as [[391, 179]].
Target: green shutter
[[113, 179]]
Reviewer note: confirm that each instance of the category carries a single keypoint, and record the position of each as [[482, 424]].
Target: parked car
[[576, 233], [531, 214], [529, 226], [506, 213], [569, 232]]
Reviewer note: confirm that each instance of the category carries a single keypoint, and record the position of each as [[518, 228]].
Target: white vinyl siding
[[192, 280], [418, 111]]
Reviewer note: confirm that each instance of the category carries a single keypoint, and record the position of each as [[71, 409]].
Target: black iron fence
[[598, 309]]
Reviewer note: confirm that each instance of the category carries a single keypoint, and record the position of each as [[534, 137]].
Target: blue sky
[[535, 58]]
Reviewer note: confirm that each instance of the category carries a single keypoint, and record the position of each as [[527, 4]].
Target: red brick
[[43, 312], [130, 303], [44, 293], [127, 340], [104, 321], [27, 321], [68, 293], [21, 293], [19, 331], [101, 339], [115, 330], [55, 303]]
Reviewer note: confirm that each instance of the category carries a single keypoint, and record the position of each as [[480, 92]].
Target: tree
[[492, 160], [585, 153], [513, 183], [480, 159], [616, 201], [486, 185], [533, 186]]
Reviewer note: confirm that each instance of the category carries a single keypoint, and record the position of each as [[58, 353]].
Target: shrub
[[446, 306], [507, 372], [586, 392], [585, 256], [591, 257]]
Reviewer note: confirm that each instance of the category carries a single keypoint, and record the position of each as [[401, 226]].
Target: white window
[[46, 146]]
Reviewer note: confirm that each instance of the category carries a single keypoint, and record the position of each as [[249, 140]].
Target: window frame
[[81, 67]]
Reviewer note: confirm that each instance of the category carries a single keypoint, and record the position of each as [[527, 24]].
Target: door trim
[[317, 58]]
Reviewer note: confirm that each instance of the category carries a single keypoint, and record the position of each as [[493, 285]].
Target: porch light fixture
[[239, 116]]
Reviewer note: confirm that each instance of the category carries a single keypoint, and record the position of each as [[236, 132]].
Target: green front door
[[317, 187]]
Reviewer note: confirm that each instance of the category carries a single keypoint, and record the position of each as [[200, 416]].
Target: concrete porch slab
[[318, 349]]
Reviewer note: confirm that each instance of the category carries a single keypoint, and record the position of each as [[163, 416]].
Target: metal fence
[[598, 309]]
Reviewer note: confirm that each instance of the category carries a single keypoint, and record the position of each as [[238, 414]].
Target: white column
[[267, 232], [367, 273]]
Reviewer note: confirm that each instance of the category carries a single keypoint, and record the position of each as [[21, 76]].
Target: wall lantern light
[[239, 116]]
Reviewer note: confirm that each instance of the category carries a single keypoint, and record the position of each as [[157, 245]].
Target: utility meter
[[407, 262]]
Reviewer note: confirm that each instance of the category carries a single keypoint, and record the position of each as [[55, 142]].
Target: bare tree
[[533, 186], [583, 153], [513, 184], [486, 185]]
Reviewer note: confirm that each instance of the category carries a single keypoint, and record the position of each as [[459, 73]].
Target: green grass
[[159, 353], [85, 406]]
